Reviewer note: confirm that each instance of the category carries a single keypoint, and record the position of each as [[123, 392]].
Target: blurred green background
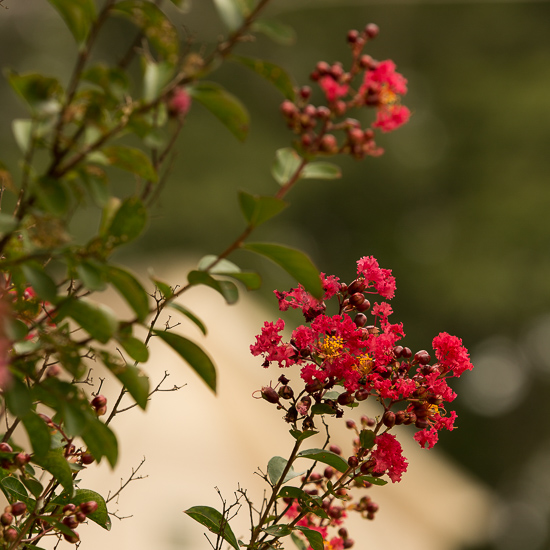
[[457, 207]]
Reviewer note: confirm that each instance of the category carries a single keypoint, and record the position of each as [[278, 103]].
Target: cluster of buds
[[12, 460], [7, 519], [354, 355], [74, 515], [367, 83]]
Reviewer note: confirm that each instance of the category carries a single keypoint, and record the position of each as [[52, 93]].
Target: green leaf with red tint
[[215, 522], [193, 354], [271, 72], [78, 16], [225, 106], [294, 262]]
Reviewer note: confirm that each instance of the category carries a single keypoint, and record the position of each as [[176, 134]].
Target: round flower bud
[[6, 518], [69, 509], [353, 461], [389, 419], [314, 386], [305, 92], [10, 534], [86, 458], [345, 398], [329, 472], [80, 517], [5, 447], [99, 401], [18, 508], [363, 306], [73, 539], [21, 459], [350, 424], [352, 37], [422, 357], [356, 299], [70, 521], [397, 351], [372, 30], [335, 449], [286, 392], [288, 109], [343, 533], [328, 144], [406, 353], [362, 394], [180, 103], [88, 507], [421, 423], [348, 543], [356, 286]]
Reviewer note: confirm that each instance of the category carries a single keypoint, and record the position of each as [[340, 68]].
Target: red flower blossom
[[452, 355], [389, 458], [333, 90], [383, 281]]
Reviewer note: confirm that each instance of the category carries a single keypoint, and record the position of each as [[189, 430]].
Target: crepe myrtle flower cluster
[[367, 83], [355, 354]]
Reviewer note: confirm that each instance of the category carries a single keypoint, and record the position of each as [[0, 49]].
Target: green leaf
[[366, 438], [40, 92], [34, 486], [314, 538], [130, 288], [132, 160], [191, 316], [275, 468], [165, 289], [214, 522], [287, 162], [193, 355], [321, 171], [14, 489], [299, 436], [294, 262], [277, 31], [135, 348], [326, 457], [371, 479], [300, 544], [96, 319], [251, 280], [226, 288], [53, 195], [271, 72], [257, 210], [155, 77], [225, 106], [158, 29], [100, 516], [127, 223], [96, 182], [78, 16], [133, 379], [230, 13], [278, 530], [113, 81], [322, 408], [91, 274], [22, 132], [101, 441], [7, 222], [55, 463], [40, 281], [18, 398], [38, 432]]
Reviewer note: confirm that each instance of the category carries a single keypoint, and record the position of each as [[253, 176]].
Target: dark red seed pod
[[335, 449], [346, 398], [69, 509], [356, 286], [421, 423], [5, 447], [400, 417], [88, 507], [348, 543], [365, 468], [398, 351], [286, 392], [362, 394], [329, 472], [314, 386], [389, 419], [86, 458], [80, 517], [352, 37], [99, 401], [356, 299], [406, 353], [343, 533]]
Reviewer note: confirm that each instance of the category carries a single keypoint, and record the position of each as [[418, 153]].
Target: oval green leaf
[[127, 223], [225, 106], [275, 30], [194, 355], [326, 457], [132, 160], [55, 463], [226, 288], [96, 319], [276, 467], [314, 538], [40, 281], [214, 522], [257, 210], [321, 171], [78, 16], [130, 288], [271, 72], [294, 262], [191, 316], [286, 164]]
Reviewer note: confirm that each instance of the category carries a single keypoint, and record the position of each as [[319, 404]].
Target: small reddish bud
[[363, 306], [350, 424], [288, 108], [69, 509], [18, 508], [70, 521], [5, 447], [80, 517], [21, 459], [53, 371], [356, 299], [86, 458], [73, 539], [10, 534], [328, 144], [99, 401], [305, 92], [422, 357], [88, 507], [180, 103], [348, 543], [352, 37], [314, 386], [345, 398], [353, 461], [421, 423], [398, 351], [372, 30], [335, 449], [6, 518], [356, 286], [362, 394], [323, 112], [406, 353], [389, 419], [322, 67], [329, 472]]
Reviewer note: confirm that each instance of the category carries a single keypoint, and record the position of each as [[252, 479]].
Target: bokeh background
[[457, 207]]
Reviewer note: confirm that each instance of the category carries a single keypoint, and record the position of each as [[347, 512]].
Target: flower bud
[[18, 508], [329, 472], [363, 306], [353, 461], [286, 392], [422, 357], [356, 299], [335, 449], [99, 401], [6, 518], [270, 395], [73, 539], [70, 521], [348, 543], [86, 458], [180, 103], [345, 398], [88, 507], [389, 419], [406, 353], [362, 394], [10, 535], [372, 30], [5, 447], [350, 424]]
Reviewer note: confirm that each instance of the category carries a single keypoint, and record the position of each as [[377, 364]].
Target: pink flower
[[390, 117], [333, 90], [383, 281], [389, 458], [451, 354], [268, 344], [385, 75]]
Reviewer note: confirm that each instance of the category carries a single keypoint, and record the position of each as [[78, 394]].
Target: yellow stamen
[[365, 364], [387, 96], [332, 345]]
